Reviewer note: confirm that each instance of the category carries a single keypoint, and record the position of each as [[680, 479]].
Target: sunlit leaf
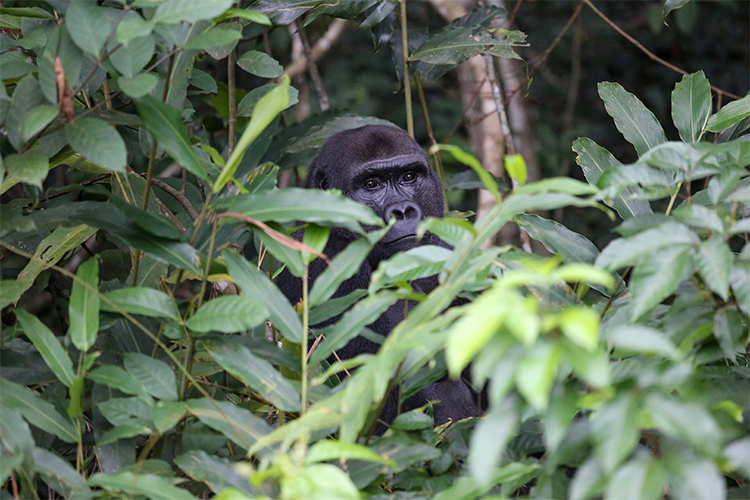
[[84, 306]]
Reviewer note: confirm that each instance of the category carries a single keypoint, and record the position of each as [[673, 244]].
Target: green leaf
[[131, 59], [168, 414], [10, 292], [615, 431], [99, 142], [351, 324], [180, 255], [687, 421], [558, 239], [691, 105], [714, 260], [736, 454], [415, 263], [155, 375], [84, 306], [153, 487], [650, 243], [740, 282], [30, 167], [536, 373], [246, 106], [57, 471], [641, 340], [141, 300], [489, 439], [729, 115], [487, 180], [515, 165], [228, 314], [165, 124], [580, 325], [256, 373], [123, 431], [248, 15], [413, 421], [329, 449], [670, 5], [693, 478], [15, 435], [33, 12], [255, 283], [324, 208], [218, 473], [214, 37], [640, 478], [36, 119], [117, 378], [237, 424], [699, 217], [589, 480], [595, 160], [87, 25], [635, 122], [456, 45], [657, 275], [48, 346], [133, 26], [260, 64], [36, 410], [176, 11], [264, 112]]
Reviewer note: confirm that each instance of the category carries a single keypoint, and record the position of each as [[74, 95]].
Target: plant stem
[[305, 321], [672, 198], [407, 78], [232, 94]]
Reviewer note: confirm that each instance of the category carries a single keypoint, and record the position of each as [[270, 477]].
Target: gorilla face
[[386, 170]]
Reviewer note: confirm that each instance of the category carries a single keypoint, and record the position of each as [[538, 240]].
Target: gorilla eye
[[409, 177], [372, 183]]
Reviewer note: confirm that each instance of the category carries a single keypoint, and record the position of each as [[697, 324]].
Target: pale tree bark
[[487, 127]]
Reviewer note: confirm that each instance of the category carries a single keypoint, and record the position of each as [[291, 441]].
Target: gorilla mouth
[[411, 236]]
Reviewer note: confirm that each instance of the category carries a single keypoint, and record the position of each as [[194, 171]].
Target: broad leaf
[[656, 276], [615, 431], [154, 487], [140, 300], [640, 478], [455, 45], [714, 260], [489, 439], [236, 423], [687, 421], [635, 122], [260, 64], [117, 378], [84, 306], [48, 346], [176, 11], [256, 284], [228, 314], [165, 124], [729, 115], [691, 105], [155, 375], [87, 25], [99, 142], [256, 373], [30, 167], [36, 410]]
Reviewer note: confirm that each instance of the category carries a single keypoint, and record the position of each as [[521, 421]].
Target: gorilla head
[[385, 169]]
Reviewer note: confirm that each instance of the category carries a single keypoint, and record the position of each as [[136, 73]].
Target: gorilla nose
[[403, 211]]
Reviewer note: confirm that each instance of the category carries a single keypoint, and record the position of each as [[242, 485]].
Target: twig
[[312, 68], [177, 195], [407, 77], [650, 54], [321, 47]]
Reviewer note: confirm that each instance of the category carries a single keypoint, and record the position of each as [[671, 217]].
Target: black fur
[[387, 170]]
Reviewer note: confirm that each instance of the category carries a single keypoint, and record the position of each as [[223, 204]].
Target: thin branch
[[650, 54], [177, 195], [312, 68], [232, 95], [321, 47]]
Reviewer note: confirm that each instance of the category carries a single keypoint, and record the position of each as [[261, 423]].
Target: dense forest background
[[595, 160]]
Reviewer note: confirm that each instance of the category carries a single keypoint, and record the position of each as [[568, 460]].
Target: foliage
[[622, 373]]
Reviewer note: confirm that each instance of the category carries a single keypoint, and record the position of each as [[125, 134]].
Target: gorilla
[[384, 168]]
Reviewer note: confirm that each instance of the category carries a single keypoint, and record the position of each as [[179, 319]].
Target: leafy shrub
[[621, 374]]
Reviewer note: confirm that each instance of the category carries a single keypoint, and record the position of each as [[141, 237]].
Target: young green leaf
[[691, 105], [228, 314], [536, 373], [469, 160], [48, 346], [635, 122], [165, 124], [84, 306], [264, 112], [729, 115]]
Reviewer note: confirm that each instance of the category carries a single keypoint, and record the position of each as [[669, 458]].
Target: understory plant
[[146, 352]]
